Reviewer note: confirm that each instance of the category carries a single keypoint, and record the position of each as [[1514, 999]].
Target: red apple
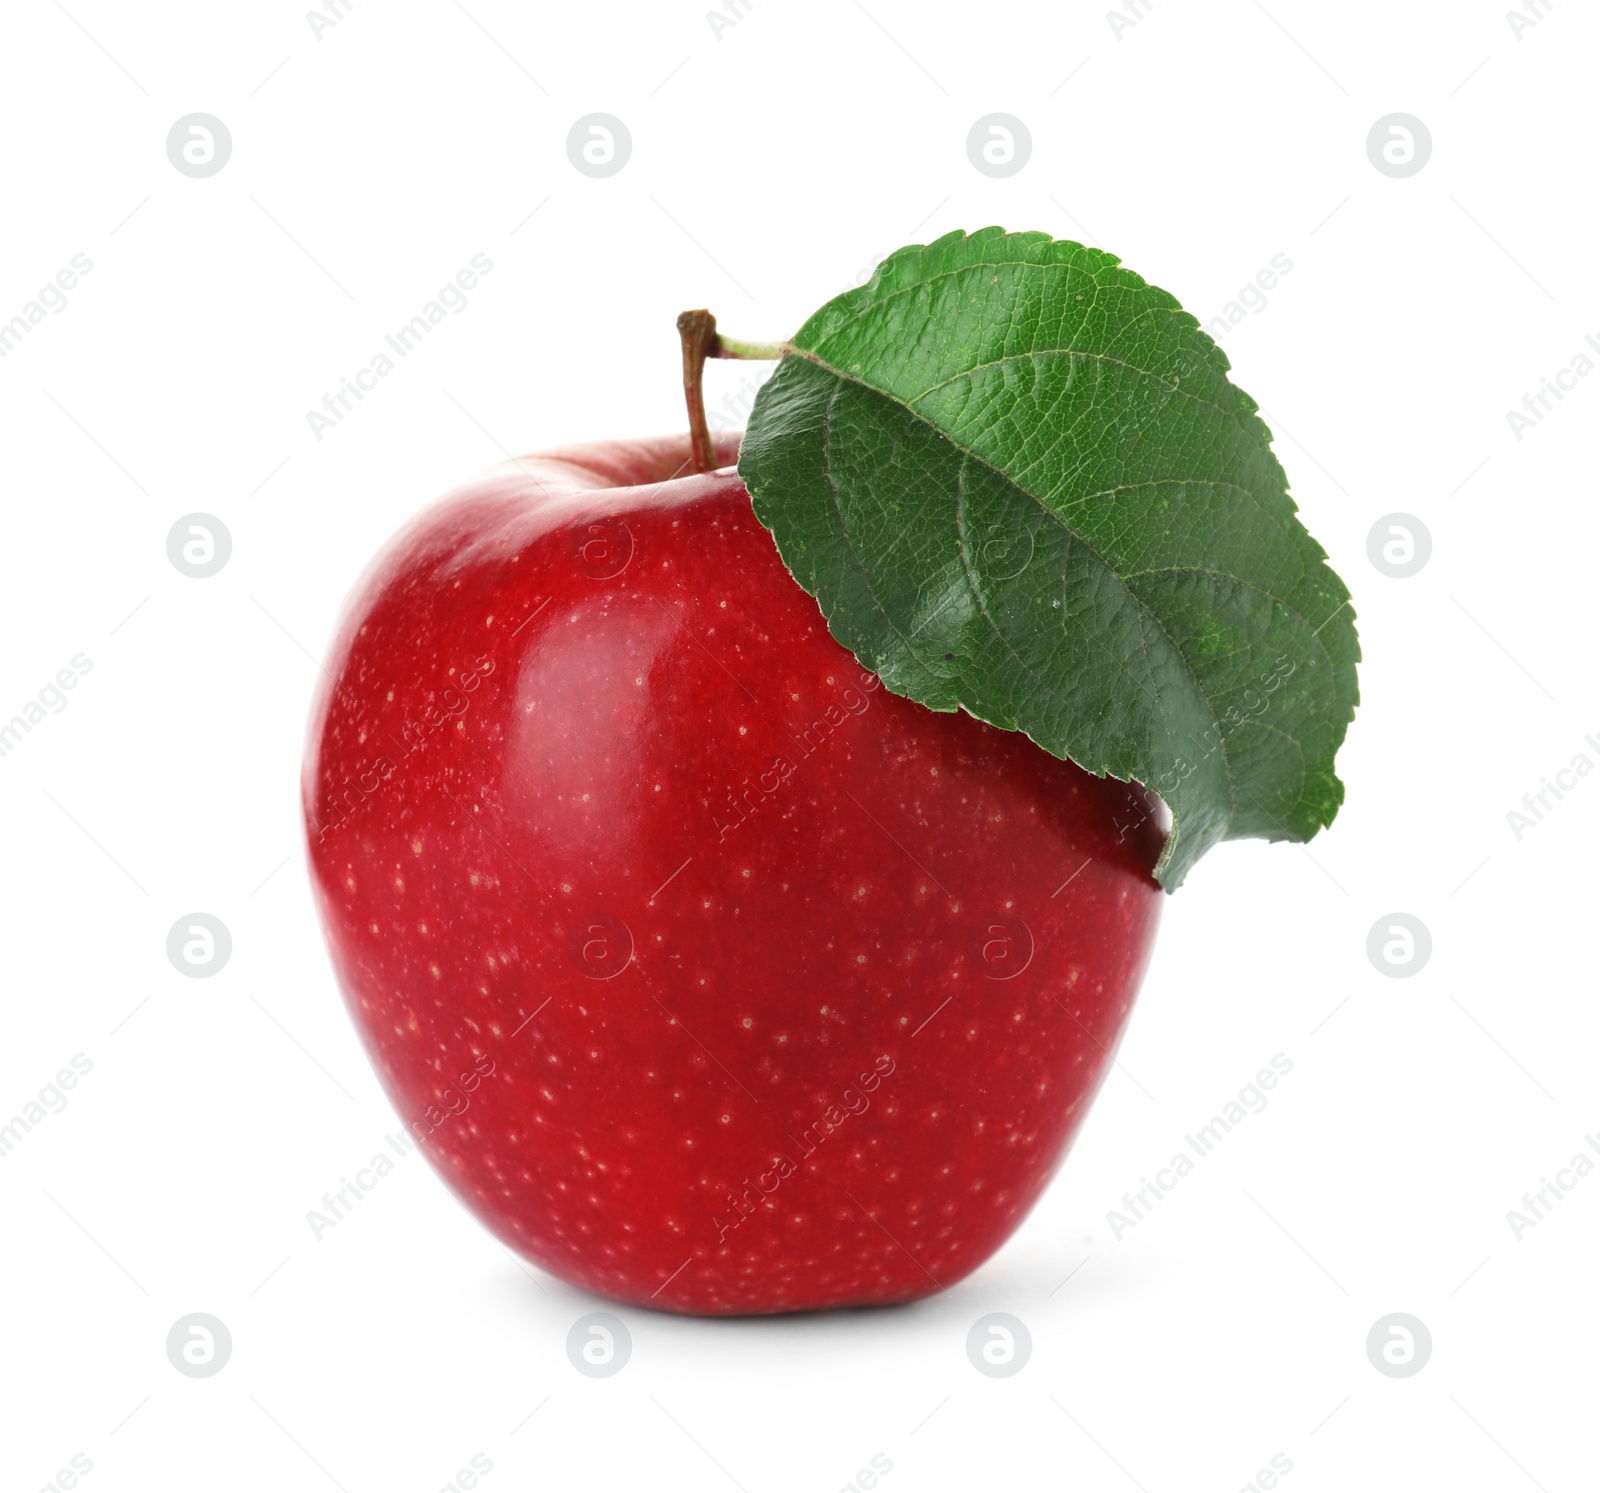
[[709, 974]]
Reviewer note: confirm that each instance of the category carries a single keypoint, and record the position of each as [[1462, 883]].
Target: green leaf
[[1019, 482]]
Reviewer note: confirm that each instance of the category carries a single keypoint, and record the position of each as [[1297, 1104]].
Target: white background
[[771, 168]]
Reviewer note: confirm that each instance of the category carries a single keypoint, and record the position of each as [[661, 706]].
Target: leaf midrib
[[994, 627], [1143, 608], [874, 300], [1060, 519], [1074, 352]]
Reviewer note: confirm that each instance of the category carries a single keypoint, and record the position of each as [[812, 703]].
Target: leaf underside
[[1018, 481]]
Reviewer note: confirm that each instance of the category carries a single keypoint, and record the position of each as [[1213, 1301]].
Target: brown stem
[[698, 329]]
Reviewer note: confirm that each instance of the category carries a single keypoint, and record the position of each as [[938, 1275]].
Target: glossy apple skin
[[708, 973]]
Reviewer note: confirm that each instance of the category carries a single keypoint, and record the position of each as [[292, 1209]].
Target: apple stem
[[699, 332], [727, 347], [698, 329]]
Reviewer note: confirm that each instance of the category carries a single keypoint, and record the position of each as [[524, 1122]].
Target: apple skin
[[709, 974]]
